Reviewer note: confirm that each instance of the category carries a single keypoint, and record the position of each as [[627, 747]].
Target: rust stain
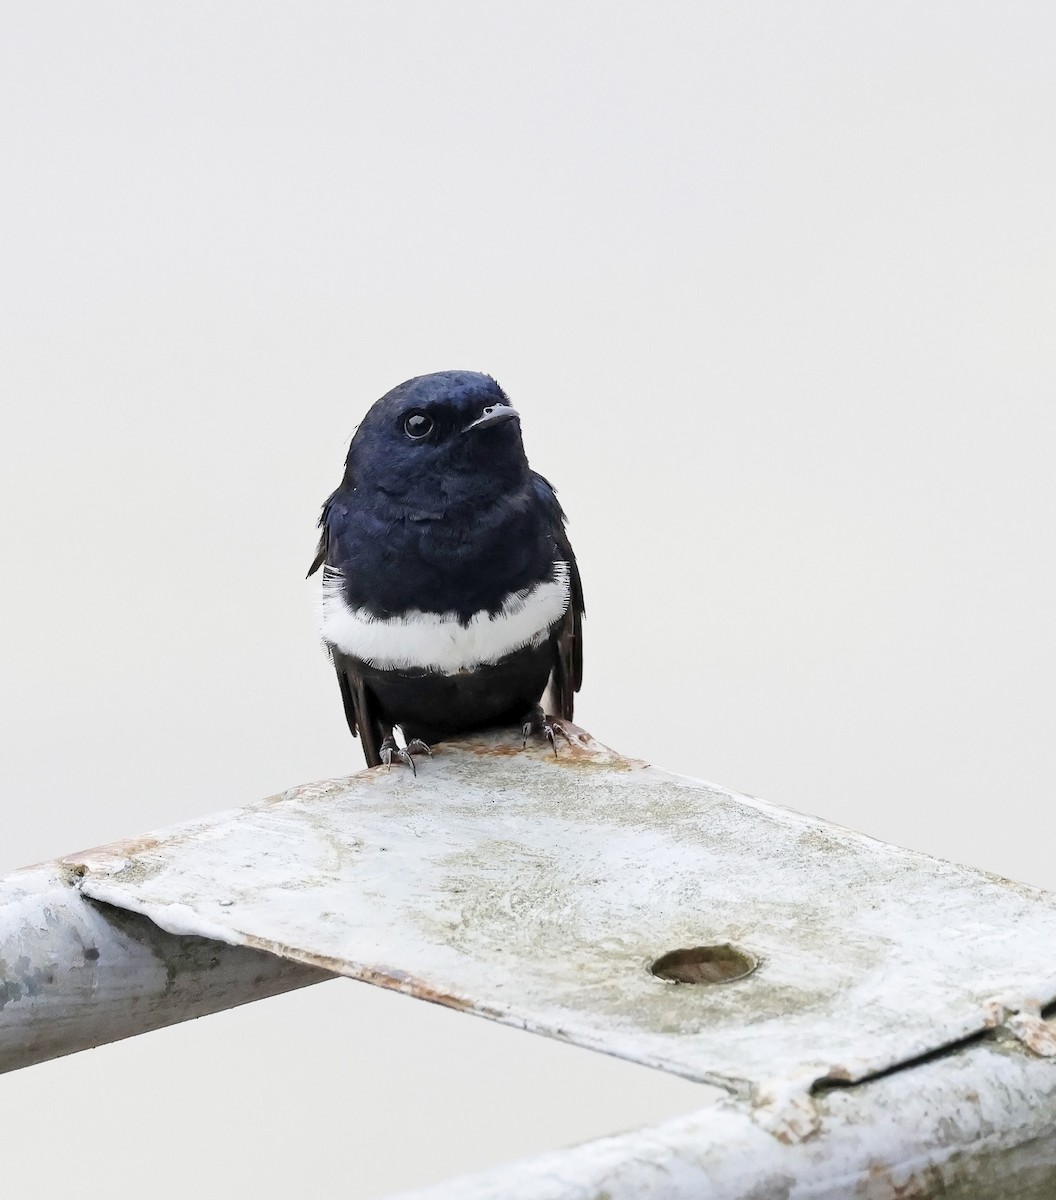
[[410, 985], [1035, 1034], [993, 1014], [381, 976], [791, 1118], [582, 751], [590, 756], [491, 751], [796, 1129], [318, 790], [923, 1185], [839, 1074], [83, 860]]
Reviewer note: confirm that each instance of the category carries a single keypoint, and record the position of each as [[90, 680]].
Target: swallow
[[451, 600]]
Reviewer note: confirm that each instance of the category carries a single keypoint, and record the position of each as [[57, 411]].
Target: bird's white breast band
[[440, 641]]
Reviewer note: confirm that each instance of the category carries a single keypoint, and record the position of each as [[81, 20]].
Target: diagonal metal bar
[[75, 974], [977, 1123]]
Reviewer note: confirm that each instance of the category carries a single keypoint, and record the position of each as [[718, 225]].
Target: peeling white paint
[[537, 892]]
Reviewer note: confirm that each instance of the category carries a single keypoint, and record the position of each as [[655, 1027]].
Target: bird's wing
[[324, 552], [361, 708], [567, 676]]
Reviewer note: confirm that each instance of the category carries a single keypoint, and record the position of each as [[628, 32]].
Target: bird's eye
[[418, 425]]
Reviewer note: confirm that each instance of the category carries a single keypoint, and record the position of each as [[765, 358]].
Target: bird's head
[[439, 441]]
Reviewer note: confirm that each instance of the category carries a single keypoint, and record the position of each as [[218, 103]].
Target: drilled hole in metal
[[704, 964]]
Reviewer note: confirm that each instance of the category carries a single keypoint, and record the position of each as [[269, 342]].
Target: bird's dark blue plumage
[[451, 596]]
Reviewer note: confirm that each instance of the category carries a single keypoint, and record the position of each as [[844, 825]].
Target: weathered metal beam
[[876, 1017], [578, 895], [976, 1123], [76, 974]]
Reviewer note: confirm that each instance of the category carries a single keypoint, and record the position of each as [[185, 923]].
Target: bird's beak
[[494, 414]]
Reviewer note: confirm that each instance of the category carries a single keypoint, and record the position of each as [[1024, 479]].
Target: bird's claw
[[539, 723], [403, 754]]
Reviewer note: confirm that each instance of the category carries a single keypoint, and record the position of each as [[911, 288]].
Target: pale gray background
[[773, 287]]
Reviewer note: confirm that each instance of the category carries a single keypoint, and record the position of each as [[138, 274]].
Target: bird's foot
[[539, 724], [389, 750]]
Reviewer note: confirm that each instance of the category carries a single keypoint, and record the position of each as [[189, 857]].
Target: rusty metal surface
[[538, 892]]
